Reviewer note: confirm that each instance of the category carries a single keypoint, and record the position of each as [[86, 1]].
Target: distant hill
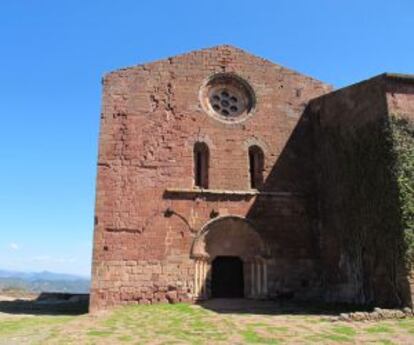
[[43, 282]]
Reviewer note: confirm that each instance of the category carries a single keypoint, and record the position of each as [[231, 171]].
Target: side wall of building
[[150, 121], [359, 207], [400, 99]]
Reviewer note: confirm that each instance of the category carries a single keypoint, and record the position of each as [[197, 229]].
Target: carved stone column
[[252, 279], [265, 290], [200, 279], [258, 278]]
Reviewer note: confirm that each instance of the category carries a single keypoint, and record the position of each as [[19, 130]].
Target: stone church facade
[[219, 175]]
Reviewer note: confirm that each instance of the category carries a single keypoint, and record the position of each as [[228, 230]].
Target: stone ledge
[[224, 192], [376, 315]]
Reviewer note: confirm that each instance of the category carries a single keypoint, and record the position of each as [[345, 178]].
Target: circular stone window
[[227, 97]]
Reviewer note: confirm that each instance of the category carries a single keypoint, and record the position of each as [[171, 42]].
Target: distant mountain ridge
[[44, 281], [43, 275]]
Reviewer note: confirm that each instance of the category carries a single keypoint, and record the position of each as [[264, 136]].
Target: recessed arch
[[228, 235], [225, 239]]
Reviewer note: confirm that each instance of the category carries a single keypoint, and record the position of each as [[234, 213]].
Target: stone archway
[[230, 236]]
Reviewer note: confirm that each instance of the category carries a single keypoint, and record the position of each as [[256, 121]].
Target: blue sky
[[54, 53]]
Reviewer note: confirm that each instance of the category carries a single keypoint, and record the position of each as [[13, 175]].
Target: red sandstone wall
[[400, 95], [358, 195], [151, 118], [400, 100]]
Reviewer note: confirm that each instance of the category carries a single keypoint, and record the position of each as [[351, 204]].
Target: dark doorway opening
[[227, 277]]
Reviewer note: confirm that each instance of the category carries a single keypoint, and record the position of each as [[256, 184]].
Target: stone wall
[[330, 211], [147, 211], [359, 205], [400, 100]]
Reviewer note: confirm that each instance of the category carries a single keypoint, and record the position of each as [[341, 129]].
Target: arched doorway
[[227, 279], [230, 260]]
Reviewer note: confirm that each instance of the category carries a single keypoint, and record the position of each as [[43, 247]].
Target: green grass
[[337, 338], [251, 337], [96, 333], [187, 324], [125, 338], [380, 329], [18, 325], [384, 342], [407, 324], [344, 330], [181, 322], [337, 334]]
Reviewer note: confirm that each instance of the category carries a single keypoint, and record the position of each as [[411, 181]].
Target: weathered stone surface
[[376, 315], [156, 234], [360, 232]]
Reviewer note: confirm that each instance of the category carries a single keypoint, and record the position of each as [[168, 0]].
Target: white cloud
[[14, 246]]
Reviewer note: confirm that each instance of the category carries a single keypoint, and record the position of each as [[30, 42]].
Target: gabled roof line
[[180, 55], [216, 47]]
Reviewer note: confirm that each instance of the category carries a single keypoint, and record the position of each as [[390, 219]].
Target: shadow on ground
[[77, 304], [48, 304], [277, 307]]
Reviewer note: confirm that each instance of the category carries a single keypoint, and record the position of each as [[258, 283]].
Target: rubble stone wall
[[151, 119], [361, 232]]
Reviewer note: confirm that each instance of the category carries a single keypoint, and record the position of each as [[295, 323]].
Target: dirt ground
[[214, 322]]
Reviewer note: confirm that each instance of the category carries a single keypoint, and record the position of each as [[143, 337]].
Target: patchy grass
[[95, 333], [188, 324], [380, 329], [385, 342], [407, 324], [335, 334], [252, 337], [344, 330], [10, 326]]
